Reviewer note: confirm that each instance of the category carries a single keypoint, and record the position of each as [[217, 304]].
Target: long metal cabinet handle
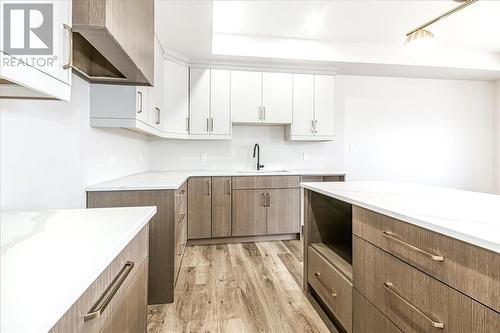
[[259, 112], [268, 199], [187, 124], [391, 236], [315, 126], [140, 103], [389, 287], [211, 125], [332, 292], [208, 124], [312, 126], [103, 301], [264, 116], [70, 45], [264, 200], [228, 187], [157, 115], [209, 187]]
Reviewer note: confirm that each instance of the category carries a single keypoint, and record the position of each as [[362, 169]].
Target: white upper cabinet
[[210, 110], [277, 98], [45, 75], [324, 105], [313, 108], [303, 105], [246, 97], [220, 102], [175, 92], [155, 104], [199, 101]]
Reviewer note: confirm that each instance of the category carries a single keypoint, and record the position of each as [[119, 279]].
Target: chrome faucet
[[256, 147]]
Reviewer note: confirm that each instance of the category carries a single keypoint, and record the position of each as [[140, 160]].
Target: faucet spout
[[256, 149]]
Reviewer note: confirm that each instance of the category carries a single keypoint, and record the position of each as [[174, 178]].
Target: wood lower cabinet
[[221, 206], [199, 207], [249, 213], [131, 314], [283, 211], [367, 319], [122, 311], [167, 229]]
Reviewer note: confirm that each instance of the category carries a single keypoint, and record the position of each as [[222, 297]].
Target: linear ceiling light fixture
[[421, 33]]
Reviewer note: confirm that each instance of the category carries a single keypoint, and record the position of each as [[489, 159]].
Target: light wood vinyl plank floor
[[243, 287]]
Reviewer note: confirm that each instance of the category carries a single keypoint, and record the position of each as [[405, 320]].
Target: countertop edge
[[485, 244], [88, 280], [102, 187]]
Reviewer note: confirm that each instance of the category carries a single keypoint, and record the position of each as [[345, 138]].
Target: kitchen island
[[56, 264], [395, 257]]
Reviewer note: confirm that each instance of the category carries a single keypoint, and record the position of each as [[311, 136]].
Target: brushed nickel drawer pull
[[103, 301], [139, 93], [69, 65], [182, 217], [389, 287], [181, 249], [209, 188], [391, 236], [332, 292], [228, 187]]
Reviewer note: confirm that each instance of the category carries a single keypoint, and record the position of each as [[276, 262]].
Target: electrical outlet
[[203, 157], [305, 156]]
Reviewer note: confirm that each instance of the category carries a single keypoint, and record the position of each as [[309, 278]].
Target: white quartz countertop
[[472, 217], [49, 258], [172, 180]]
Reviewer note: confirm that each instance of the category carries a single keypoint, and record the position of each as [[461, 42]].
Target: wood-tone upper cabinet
[[313, 108], [210, 112], [48, 75], [114, 40], [249, 215], [246, 97], [199, 207], [175, 92], [221, 206], [283, 208], [277, 98]]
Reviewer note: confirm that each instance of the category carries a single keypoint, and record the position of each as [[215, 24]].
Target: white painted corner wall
[[497, 136], [49, 152], [428, 131], [438, 132]]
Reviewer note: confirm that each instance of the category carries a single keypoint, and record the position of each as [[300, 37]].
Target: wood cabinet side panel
[[162, 232]]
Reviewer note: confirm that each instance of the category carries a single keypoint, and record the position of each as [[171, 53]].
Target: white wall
[[49, 153], [497, 136], [429, 131]]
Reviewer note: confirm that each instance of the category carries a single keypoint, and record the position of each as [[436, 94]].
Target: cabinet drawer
[[333, 288], [367, 319], [136, 252], [413, 300], [180, 248], [257, 182], [181, 199], [468, 268]]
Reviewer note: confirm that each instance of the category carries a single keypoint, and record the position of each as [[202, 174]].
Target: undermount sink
[[262, 171]]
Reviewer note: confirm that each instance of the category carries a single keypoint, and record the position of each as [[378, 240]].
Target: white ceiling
[[189, 27]]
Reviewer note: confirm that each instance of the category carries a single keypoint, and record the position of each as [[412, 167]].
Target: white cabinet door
[[277, 98], [303, 105], [199, 106], [43, 73], [220, 106], [175, 92], [324, 95], [246, 96], [156, 92], [141, 101]]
